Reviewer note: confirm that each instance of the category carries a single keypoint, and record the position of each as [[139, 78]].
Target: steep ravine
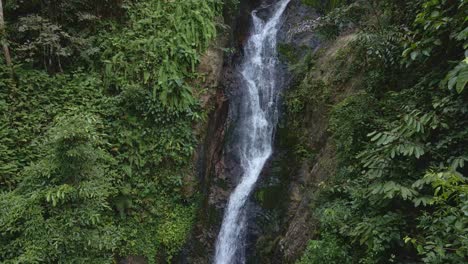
[[280, 222], [212, 164]]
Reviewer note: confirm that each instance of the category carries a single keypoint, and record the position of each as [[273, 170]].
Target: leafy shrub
[[350, 122], [30, 106], [340, 20], [60, 211], [93, 160], [324, 5], [165, 62], [329, 249], [399, 194]]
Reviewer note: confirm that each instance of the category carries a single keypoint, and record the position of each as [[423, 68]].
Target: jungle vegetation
[[98, 102], [97, 110], [399, 193]]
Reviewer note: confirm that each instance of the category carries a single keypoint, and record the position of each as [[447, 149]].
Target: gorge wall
[[280, 220]]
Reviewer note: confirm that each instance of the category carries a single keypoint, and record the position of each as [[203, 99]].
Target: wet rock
[[301, 225], [279, 220]]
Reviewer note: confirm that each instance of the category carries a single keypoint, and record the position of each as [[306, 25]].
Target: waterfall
[[259, 74]]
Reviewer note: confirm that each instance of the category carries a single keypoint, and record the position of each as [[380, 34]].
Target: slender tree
[[6, 50]]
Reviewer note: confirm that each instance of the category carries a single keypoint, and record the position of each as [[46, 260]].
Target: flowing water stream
[[261, 91]]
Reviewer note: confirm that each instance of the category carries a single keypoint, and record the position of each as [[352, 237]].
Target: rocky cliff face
[[276, 203], [283, 221], [218, 167], [280, 220], [299, 224], [214, 164]]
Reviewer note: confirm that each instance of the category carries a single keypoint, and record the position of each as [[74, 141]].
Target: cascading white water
[[259, 70]]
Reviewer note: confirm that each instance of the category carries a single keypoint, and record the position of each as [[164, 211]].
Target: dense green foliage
[[399, 194], [97, 136], [149, 53], [324, 5], [97, 130]]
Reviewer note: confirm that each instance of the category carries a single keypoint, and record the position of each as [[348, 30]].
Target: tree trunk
[[6, 50]]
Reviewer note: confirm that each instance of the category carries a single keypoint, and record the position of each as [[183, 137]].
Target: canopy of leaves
[[96, 131], [399, 194]]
